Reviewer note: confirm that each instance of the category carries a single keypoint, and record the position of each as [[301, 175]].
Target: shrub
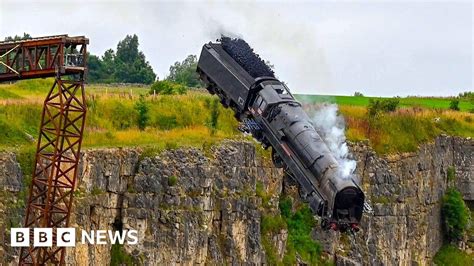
[[390, 105], [454, 105], [167, 87], [172, 180], [300, 224], [272, 224], [455, 214], [142, 107], [213, 106], [285, 206], [378, 106]]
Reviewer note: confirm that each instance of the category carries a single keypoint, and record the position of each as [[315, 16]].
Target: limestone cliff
[[405, 192], [196, 207]]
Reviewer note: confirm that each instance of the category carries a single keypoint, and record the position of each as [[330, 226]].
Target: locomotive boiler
[[268, 110]]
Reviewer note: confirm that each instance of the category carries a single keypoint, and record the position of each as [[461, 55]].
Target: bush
[[454, 105], [300, 224], [285, 206], [272, 224], [213, 106], [172, 180], [142, 108], [377, 106], [167, 87], [455, 214]]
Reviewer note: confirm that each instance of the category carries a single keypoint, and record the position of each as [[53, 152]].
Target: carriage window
[[263, 105]]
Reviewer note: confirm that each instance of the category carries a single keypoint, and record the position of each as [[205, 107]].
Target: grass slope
[[184, 120]]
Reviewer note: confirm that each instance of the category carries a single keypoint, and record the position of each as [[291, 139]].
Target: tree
[[94, 66], [358, 94], [128, 65], [185, 72], [108, 66], [468, 95], [131, 65], [17, 37]]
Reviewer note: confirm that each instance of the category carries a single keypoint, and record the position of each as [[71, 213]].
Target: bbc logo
[[66, 237], [43, 237]]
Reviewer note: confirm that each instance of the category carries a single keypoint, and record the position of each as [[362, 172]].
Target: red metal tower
[[62, 126]]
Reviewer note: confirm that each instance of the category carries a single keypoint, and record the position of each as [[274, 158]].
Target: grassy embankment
[[174, 120], [183, 120], [418, 120]]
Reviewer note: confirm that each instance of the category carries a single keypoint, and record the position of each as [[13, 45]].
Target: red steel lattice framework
[[62, 126]]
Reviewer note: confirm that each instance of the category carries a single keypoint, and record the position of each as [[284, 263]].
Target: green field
[[424, 102]]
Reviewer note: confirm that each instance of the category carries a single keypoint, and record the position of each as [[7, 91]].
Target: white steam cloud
[[330, 125]]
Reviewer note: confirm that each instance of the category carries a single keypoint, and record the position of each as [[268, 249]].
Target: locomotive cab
[[270, 92]]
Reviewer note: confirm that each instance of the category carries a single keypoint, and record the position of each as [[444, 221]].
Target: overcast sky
[[332, 47]]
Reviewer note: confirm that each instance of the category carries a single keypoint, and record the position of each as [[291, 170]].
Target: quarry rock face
[[196, 207], [11, 207], [10, 173], [405, 192], [188, 208]]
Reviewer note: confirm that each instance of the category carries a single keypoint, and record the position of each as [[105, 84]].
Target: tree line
[[127, 64]]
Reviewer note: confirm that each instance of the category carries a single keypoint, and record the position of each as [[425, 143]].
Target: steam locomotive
[[268, 110]]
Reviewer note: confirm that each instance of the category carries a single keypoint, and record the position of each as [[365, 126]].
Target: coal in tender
[[244, 55]]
